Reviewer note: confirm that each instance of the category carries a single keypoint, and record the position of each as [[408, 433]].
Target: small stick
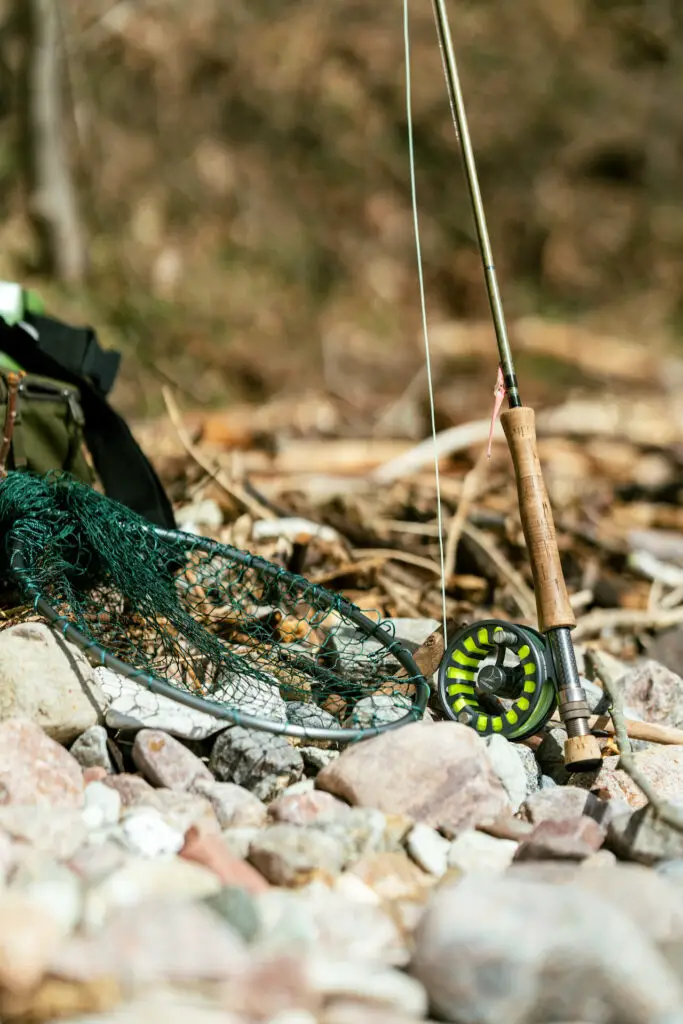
[[233, 490], [470, 488], [13, 382], [670, 815]]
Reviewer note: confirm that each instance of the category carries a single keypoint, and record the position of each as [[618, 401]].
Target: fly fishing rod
[[534, 671]]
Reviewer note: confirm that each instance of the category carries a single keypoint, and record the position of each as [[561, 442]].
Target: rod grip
[[552, 601]]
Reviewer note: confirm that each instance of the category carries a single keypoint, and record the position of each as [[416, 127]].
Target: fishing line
[[423, 306]]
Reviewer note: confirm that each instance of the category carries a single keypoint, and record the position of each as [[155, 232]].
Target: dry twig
[[670, 815], [232, 489], [626, 618], [469, 492], [520, 591]]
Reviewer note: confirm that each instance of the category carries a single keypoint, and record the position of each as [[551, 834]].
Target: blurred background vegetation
[[222, 188]]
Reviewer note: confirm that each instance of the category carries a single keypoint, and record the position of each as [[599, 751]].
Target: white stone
[[133, 706], [49, 681], [142, 880], [369, 982], [428, 849], [476, 851], [101, 805], [144, 831], [509, 769]]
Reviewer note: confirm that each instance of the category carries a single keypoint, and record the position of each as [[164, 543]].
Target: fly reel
[[492, 662]]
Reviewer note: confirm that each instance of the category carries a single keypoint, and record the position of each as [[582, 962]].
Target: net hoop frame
[[99, 657]]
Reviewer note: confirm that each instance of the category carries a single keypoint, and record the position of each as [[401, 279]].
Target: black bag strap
[[76, 349], [125, 471]]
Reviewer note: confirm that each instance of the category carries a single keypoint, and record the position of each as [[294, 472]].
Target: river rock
[[437, 773], [47, 680], [661, 765], [292, 856], [428, 849], [91, 749], [144, 832], [250, 695], [528, 950], [642, 836], [239, 908], [368, 983], [364, 830], [102, 806], [138, 881], [310, 715], [393, 876], [654, 692], [340, 920], [55, 831], [532, 769], [508, 766], [262, 762], [186, 810], [233, 805], [571, 839], [378, 709], [550, 755], [132, 706], [164, 761], [315, 758], [214, 853], [174, 942], [476, 851], [133, 790], [311, 808], [238, 841], [29, 938], [54, 889], [34, 769], [561, 802]]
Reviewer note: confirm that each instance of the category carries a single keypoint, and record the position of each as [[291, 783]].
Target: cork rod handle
[[552, 601]]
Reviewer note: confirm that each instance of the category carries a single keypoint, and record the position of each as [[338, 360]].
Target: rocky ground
[[236, 877]]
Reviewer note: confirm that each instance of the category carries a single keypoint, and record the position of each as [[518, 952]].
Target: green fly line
[[215, 628]]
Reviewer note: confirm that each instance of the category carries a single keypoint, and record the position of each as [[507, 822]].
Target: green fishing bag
[[54, 413]]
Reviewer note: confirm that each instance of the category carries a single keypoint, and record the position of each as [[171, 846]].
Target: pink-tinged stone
[[438, 773], [233, 805], [29, 938], [166, 762], [571, 839], [154, 941], [35, 770], [133, 790], [212, 852], [662, 766], [94, 774], [308, 808]]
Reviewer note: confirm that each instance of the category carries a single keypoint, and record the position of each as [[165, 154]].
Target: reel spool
[[493, 661]]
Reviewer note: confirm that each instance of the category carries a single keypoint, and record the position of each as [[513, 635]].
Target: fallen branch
[[649, 731], [670, 815], [448, 442], [626, 618]]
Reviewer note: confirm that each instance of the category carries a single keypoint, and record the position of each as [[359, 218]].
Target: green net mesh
[[202, 622]]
